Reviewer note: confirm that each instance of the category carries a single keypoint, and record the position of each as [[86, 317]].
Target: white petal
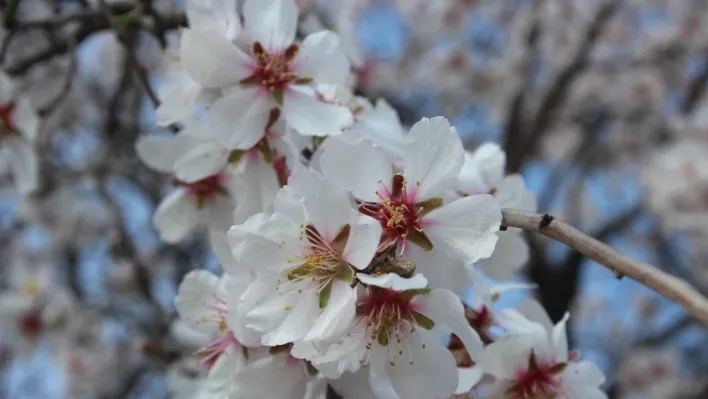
[[512, 193], [26, 118], [583, 373], [337, 315], [220, 246], [178, 102], [504, 357], [490, 160], [297, 322], [327, 206], [445, 308], [584, 392], [288, 203], [214, 14], [175, 217], [510, 253], [211, 59], [382, 126], [7, 88], [359, 167], [24, 164], [197, 300], [321, 58], [364, 239], [432, 374], [271, 377], [255, 190], [534, 312], [468, 378], [434, 157], [204, 160], [466, 227], [271, 22], [560, 339], [161, 152], [311, 117], [224, 368], [394, 281], [220, 212], [239, 119], [267, 255], [441, 269]]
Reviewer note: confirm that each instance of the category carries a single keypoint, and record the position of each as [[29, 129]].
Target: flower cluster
[[345, 239]]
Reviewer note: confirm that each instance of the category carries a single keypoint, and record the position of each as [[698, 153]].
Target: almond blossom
[[411, 206], [306, 253], [533, 360], [18, 127], [394, 335], [267, 70]]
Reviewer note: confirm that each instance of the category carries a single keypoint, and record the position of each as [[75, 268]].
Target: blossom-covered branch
[[673, 288]]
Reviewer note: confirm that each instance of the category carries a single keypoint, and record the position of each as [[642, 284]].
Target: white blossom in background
[[19, 124], [483, 172], [208, 196]]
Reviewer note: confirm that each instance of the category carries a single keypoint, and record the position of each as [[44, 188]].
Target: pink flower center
[[7, 126], [389, 315], [210, 353], [396, 212], [31, 324], [273, 71], [482, 319], [537, 381], [207, 189]]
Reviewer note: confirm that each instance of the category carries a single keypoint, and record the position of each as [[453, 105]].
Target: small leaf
[[251, 81], [382, 337], [317, 141], [410, 294], [266, 151], [420, 239], [344, 272], [429, 205], [235, 156], [278, 96], [340, 240], [558, 368], [272, 118], [422, 320], [325, 293], [302, 81], [123, 20], [311, 369]]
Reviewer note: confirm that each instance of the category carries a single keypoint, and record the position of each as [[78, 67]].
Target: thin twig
[[671, 287]]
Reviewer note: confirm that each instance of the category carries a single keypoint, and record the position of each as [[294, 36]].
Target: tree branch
[[671, 287]]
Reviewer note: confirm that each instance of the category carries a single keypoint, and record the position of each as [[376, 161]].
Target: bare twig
[[671, 287], [66, 87]]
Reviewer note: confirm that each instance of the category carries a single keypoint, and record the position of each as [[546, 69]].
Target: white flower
[[483, 172], [210, 304], [533, 361], [308, 251], [18, 127], [269, 71], [206, 193], [410, 205], [394, 334]]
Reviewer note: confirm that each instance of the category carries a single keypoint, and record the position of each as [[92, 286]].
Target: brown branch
[[671, 287]]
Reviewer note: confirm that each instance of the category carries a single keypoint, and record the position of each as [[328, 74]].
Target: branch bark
[[671, 287]]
